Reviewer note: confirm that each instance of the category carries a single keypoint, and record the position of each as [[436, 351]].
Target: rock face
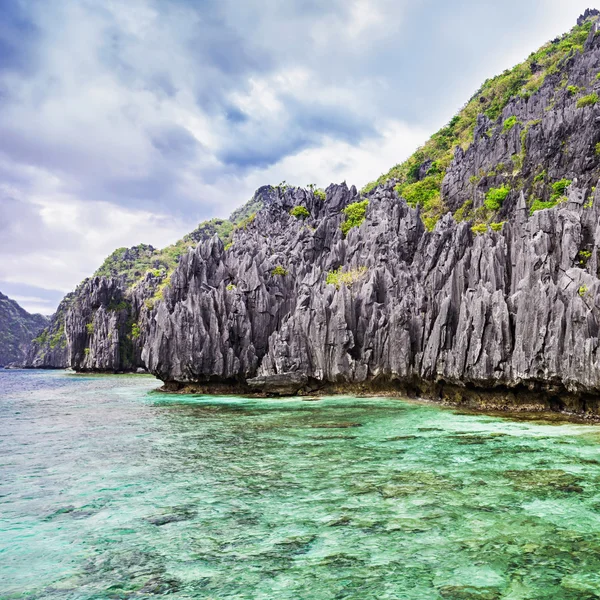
[[512, 309], [17, 329], [553, 136], [501, 317]]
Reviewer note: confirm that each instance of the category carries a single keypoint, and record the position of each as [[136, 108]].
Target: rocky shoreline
[[542, 402]]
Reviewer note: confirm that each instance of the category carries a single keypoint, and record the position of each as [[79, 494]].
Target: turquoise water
[[110, 491]]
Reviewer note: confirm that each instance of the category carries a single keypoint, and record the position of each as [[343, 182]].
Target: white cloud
[[33, 304], [341, 161], [53, 240]]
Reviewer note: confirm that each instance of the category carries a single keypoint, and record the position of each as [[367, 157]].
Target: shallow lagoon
[[110, 491]]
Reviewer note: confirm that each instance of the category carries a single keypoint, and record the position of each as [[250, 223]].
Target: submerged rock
[[284, 384]]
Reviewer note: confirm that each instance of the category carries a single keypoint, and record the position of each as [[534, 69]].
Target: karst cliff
[[468, 273]]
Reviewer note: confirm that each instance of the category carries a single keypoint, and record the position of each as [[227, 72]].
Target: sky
[[130, 121]]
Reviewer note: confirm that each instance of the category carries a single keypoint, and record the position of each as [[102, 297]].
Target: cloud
[[52, 240], [32, 298], [128, 122]]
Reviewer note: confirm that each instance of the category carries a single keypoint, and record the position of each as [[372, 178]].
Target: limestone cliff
[[469, 271]]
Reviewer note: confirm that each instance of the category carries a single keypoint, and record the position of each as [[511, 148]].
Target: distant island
[[17, 328]]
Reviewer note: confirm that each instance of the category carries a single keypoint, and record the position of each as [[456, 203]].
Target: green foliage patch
[[558, 189], [355, 215], [541, 205], [462, 214], [588, 100], [584, 256], [479, 228], [424, 193], [116, 306], [244, 223], [509, 124], [495, 197], [300, 212], [42, 338], [159, 294], [279, 270], [340, 277], [135, 331], [205, 230]]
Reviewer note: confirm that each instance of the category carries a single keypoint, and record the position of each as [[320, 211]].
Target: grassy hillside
[[419, 178]]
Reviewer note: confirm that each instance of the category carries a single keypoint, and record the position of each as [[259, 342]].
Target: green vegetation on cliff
[[131, 264], [588, 100], [495, 197], [222, 227], [300, 212], [340, 277], [355, 214], [419, 178]]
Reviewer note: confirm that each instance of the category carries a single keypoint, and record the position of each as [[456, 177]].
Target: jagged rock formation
[[98, 326], [17, 329], [511, 309], [500, 316]]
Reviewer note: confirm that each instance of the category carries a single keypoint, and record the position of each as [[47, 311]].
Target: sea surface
[[111, 490]]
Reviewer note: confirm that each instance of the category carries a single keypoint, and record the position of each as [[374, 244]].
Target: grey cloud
[[22, 229], [310, 122], [175, 142], [17, 35]]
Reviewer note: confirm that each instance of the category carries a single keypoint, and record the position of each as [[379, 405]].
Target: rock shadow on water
[[401, 438], [72, 512], [159, 586], [295, 545], [176, 515], [467, 592], [340, 521], [334, 437], [341, 560], [407, 482], [469, 439], [122, 575], [341, 425], [545, 481]]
